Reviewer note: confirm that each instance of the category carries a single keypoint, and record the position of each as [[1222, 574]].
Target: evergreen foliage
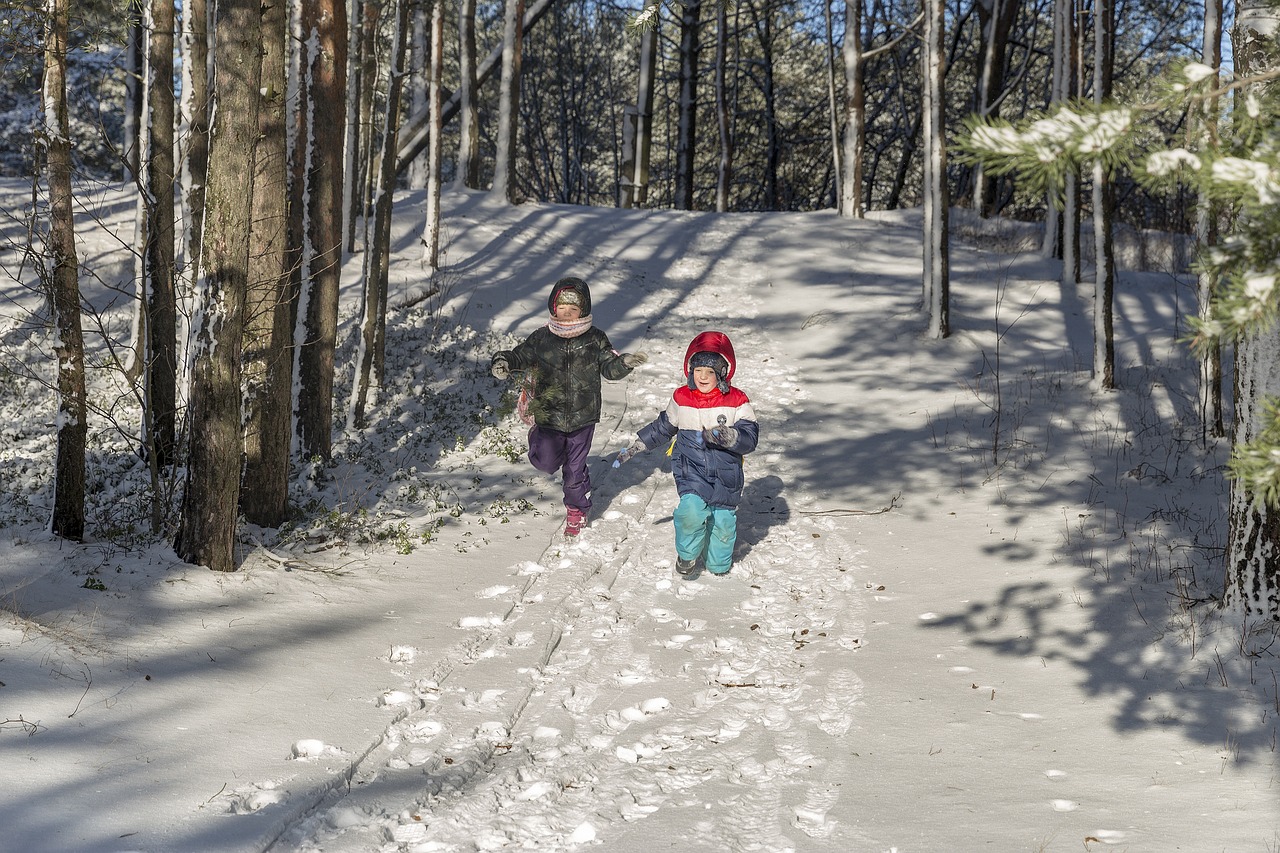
[[1238, 167]]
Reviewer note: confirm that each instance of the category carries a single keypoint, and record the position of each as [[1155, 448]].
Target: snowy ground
[[944, 630]]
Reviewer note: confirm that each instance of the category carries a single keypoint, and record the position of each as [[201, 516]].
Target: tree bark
[[324, 26], [687, 125], [724, 172], [509, 101], [435, 151], [195, 143], [69, 484], [206, 534], [855, 113], [1104, 264], [937, 198], [372, 353], [268, 354], [161, 413], [1210, 390], [1253, 542], [468, 175]]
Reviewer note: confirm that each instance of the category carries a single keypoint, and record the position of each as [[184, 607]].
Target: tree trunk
[[1253, 543], [416, 174], [1104, 348], [686, 131], [435, 151], [1211, 415], [135, 52], [996, 19], [937, 198], [268, 354], [468, 174], [324, 26], [414, 130], [161, 412], [1060, 88], [724, 172], [195, 139], [372, 352], [509, 101], [855, 117], [206, 535], [637, 134], [68, 490]]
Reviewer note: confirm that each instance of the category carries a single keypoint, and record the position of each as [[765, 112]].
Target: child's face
[[704, 378], [566, 312]]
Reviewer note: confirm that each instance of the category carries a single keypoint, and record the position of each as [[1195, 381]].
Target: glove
[[630, 450], [634, 359], [724, 436], [499, 368]]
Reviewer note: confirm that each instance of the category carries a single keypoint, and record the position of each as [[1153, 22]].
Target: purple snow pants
[[551, 450]]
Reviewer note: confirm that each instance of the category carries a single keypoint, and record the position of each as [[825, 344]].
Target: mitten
[[634, 359], [724, 436], [630, 450], [499, 368]]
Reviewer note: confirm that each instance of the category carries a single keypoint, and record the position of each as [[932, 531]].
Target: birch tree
[[508, 101], [1104, 264], [937, 263], [206, 534], [1206, 120], [435, 98], [68, 494]]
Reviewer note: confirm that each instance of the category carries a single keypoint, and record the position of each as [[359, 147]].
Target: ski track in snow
[[473, 761]]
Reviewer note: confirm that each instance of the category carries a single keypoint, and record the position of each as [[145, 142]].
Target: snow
[[943, 631]]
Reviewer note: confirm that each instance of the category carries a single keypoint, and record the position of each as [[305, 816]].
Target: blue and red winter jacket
[[711, 472]]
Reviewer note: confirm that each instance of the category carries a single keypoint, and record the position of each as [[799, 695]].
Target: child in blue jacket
[[714, 426]]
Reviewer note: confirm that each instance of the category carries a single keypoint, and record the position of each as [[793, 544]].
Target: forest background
[[222, 359]]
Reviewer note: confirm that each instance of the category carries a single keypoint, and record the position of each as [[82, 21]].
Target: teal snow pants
[[705, 532]]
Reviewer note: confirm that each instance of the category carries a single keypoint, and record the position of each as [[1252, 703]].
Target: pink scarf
[[571, 329]]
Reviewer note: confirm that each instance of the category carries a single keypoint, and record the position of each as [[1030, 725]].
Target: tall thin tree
[[371, 355], [937, 263], [468, 168], [435, 152], [687, 108], [1211, 415], [324, 28], [161, 336], [55, 136], [268, 351], [1104, 262], [206, 534], [509, 101]]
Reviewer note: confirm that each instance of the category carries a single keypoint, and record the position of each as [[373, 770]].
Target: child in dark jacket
[[564, 361], [714, 426]]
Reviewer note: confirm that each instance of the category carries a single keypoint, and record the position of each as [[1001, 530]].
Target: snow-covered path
[[598, 629], [1008, 658]]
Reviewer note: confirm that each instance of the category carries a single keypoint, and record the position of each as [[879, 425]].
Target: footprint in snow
[[836, 713], [811, 815]]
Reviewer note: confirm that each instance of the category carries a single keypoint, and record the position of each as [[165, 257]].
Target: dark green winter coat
[[566, 374]]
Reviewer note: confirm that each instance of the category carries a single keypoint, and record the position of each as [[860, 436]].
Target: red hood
[[717, 342]]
